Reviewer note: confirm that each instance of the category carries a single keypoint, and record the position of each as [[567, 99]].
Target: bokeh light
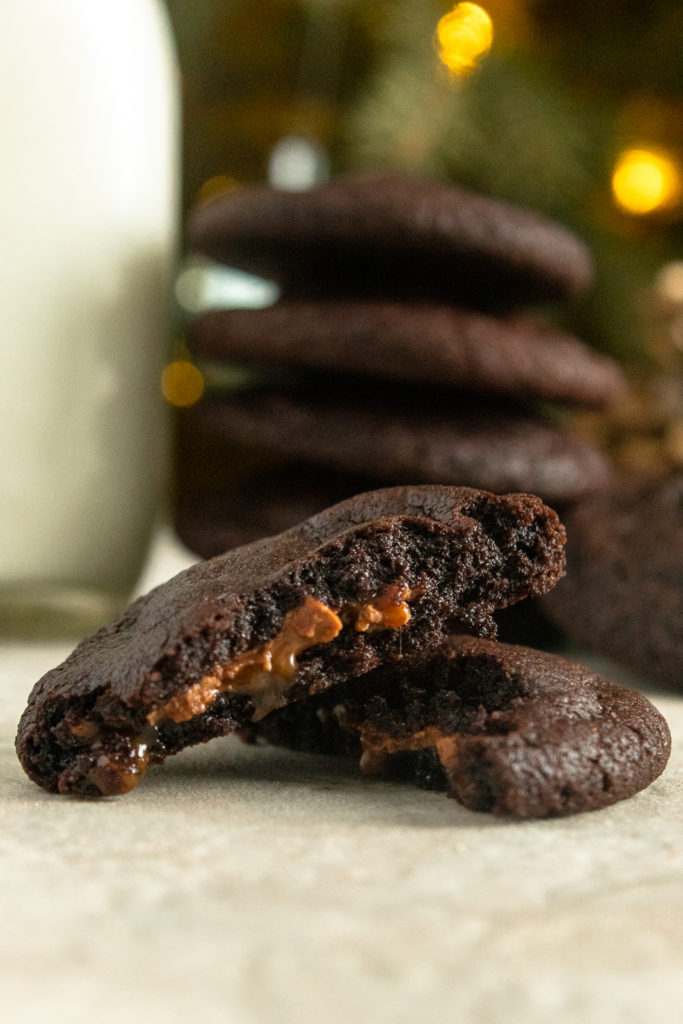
[[646, 180], [217, 186], [205, 284], [463, 37], [669, 283], [297, 163], [182, 383]]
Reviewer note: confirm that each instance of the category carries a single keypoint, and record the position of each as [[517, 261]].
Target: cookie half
[[623, 595], [501, 728], [382, 234], [437, 345], [228, 640]]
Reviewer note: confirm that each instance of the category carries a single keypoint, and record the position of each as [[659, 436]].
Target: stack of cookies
[[401, 350]]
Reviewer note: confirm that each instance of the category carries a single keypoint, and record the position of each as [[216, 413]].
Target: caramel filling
[[85, 730], [377, 747], [116, 774], [447, 749], [266, 672], [390, 611]]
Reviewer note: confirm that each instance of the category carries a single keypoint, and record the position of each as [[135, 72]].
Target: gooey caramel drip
[[389, 611], [114, 774], [266, 672]]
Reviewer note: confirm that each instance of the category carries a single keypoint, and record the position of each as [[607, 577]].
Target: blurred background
[[570, 108]]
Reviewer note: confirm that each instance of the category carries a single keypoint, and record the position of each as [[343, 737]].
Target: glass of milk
[[88, 217]]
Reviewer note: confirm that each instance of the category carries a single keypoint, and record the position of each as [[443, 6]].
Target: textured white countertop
[[252, 886]]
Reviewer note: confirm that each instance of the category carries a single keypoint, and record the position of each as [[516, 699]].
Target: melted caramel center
[[376, 747], [389, 611], [266, 672]]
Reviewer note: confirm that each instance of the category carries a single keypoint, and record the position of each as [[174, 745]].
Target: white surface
[[254, 886]]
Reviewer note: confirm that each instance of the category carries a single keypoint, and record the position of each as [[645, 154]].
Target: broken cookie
[[363, 584], [501, 728]]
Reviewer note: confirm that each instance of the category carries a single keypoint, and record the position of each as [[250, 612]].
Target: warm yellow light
[[182, 383], [669, 283], [463, 37], [216, 186], [646, 180]]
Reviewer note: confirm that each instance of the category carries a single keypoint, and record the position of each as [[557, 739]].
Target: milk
[[88, 213]]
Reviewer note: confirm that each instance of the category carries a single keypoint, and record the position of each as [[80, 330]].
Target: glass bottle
[[88, 220]]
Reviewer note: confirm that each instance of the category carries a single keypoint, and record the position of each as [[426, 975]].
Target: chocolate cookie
[[233, 511], [393, 436], [393, 235], [502, 728], [437, 345], [228, 640], [623, 595]]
